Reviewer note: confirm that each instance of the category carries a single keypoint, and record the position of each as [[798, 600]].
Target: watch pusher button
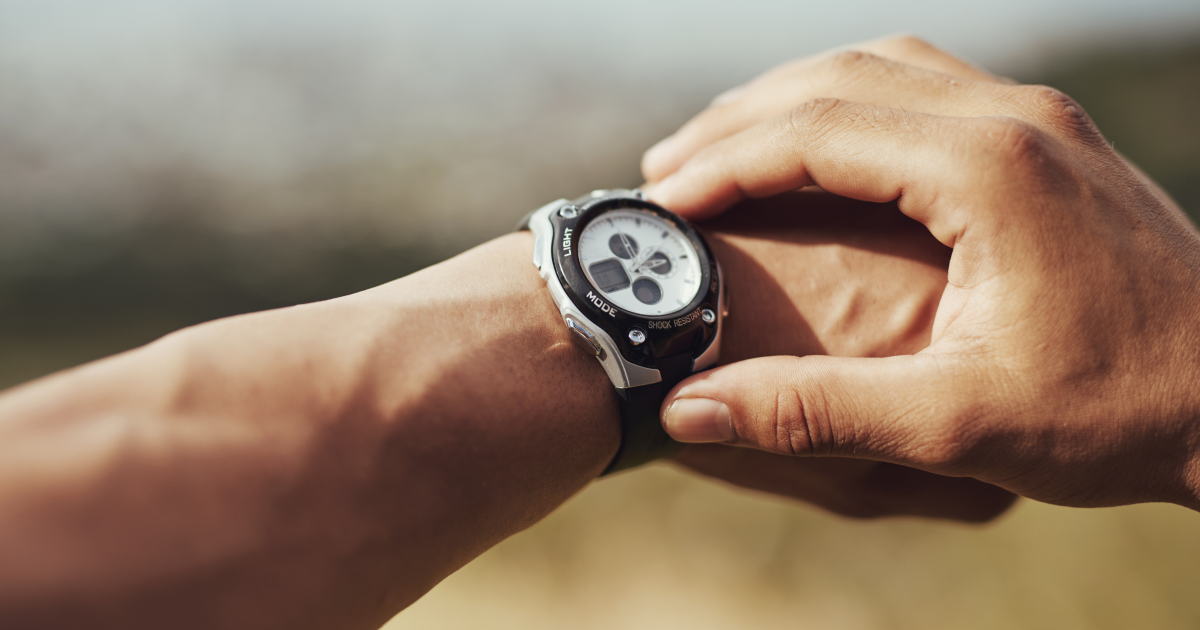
[[537, 251], [590, 343]]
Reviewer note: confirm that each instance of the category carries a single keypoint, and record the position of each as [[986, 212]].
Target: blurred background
[[163, 164]]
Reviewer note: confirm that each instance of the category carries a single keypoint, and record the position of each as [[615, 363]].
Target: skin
[[1065, 348], [323, 466]]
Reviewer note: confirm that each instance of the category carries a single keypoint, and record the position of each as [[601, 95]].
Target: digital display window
[[609, 275]]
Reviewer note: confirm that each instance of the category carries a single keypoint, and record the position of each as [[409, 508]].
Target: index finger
[[917, 52], [785, 86], [864, 152]]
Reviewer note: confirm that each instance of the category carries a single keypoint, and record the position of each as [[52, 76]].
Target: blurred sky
[[103, 103], [656, 38]]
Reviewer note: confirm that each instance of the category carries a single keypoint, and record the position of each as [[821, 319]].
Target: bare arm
[[323, 466]]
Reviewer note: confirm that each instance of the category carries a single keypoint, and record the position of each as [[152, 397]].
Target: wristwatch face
[[640, 262]]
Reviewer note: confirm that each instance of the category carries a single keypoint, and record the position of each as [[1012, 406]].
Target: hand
[[1065, 349], [812, 273]]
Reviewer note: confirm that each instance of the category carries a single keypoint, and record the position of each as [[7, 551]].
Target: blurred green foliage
[[1146, 101]]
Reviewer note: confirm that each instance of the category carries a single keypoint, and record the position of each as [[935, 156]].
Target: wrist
[[481, 398], [476, 343]]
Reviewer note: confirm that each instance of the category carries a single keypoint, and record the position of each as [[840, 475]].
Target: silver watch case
[[622, 372]]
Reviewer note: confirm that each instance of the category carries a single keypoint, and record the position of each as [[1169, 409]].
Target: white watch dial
[[640, 262]]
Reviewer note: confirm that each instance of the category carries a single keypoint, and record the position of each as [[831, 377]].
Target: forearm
[[315, 466]]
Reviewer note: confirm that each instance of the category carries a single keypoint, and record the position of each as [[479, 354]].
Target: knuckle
[[802, 426], [1056, 110], [945, 454], [791, 420], [1044, 97], [847, 61], [952, 445], [1013, 144], [851, 66], [909, 43], [816, 108], [812, 118]]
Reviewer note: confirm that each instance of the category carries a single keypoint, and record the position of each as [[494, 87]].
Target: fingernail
[[698, 420]]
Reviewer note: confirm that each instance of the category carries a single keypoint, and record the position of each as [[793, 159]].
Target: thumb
[[897, 409]]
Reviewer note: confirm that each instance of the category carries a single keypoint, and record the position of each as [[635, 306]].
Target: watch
[[642, 292]]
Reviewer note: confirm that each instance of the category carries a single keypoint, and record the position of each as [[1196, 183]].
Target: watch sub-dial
[[647, 291], [623, 246]]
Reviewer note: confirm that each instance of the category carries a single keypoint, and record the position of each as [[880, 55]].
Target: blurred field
[[112, 234], [658, 549]]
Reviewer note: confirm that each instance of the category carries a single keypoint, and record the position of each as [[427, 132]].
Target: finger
[[849, 75], [851, 487], [895, 409], [927, 163], [840, 137], [863, 73], [915, 51]]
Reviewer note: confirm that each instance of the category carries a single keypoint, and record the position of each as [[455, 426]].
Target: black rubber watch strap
[[643, 439]]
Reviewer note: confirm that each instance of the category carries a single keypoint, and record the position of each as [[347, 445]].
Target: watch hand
[[626, 244], [657, 263], [650, 252]]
